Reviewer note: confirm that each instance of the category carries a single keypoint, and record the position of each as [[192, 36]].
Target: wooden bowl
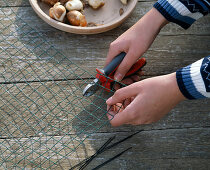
[[108, 17]]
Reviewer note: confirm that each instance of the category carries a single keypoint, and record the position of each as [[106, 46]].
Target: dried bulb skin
[[50, 2], [58, 12], [76, 18], [57, 4], [51, 13], [74, 5], [96, 4], [124, 2]]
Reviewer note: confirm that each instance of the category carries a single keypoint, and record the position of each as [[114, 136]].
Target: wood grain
[[40, 117], [36, 51], [200, 27], [19, 3], [156, 149], [58, 108]]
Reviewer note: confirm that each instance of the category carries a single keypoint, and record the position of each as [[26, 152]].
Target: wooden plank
[[37, 60], [33, 68], [20, 3], [24, 49], [188, 114], [156, 149], [43, 152], [58, 108], [180, 140], [200, 27], [36, 44], [49, 107], [12, 3]]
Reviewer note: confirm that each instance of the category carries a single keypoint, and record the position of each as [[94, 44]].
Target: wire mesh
[[43, 116]]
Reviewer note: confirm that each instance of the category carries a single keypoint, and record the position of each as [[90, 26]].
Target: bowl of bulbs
[[84, 16]]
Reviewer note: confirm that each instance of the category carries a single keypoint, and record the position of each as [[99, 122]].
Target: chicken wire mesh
[[44, 117]]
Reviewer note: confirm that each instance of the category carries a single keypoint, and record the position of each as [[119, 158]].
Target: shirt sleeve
[[183, 12], [194, 80]]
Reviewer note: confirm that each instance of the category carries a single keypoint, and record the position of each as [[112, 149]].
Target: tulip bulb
[[74, 5], [58, 12], [96, 4], [76, 18]]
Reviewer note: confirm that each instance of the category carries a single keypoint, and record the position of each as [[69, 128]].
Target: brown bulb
[[74, 5], [58, 12], [96, 4], [76, 18]]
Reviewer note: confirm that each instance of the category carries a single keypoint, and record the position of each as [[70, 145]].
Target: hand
[[136, 41], [144, 102]]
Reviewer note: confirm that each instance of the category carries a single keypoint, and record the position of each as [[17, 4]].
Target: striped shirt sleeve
[[183, 12], [194, 80]]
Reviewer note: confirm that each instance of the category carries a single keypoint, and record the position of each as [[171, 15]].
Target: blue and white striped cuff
[[191, 82], [175, 11]]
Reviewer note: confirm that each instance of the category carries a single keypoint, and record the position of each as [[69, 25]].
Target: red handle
[[106, 82], [136, 67]]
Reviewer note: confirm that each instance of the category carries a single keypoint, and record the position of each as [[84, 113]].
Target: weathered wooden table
[[179, 141]]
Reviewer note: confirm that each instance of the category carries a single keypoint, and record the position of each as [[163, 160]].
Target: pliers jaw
[[91, 88], [101, 80], [105, 77]]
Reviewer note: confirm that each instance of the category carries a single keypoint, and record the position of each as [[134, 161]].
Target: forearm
[[183, 13], [194, 80], [152, 21]]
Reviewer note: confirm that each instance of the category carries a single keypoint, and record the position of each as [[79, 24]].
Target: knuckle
[[118, 93], [124, 68], [112, 45], [133, 53], [139, 86]]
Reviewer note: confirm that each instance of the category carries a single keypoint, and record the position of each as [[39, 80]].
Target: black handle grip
[[114, 63]]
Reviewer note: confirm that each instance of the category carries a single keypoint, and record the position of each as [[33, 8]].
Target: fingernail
[[109, 100], [118, 77]]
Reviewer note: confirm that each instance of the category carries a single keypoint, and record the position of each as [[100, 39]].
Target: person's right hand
[[135, 41], [144, 102]]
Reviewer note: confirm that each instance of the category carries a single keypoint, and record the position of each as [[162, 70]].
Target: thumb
[[125, 65]]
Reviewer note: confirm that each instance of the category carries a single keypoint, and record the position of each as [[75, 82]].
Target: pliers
[[105, 77]]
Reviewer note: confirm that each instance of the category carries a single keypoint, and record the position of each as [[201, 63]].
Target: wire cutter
[[105, 77]]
